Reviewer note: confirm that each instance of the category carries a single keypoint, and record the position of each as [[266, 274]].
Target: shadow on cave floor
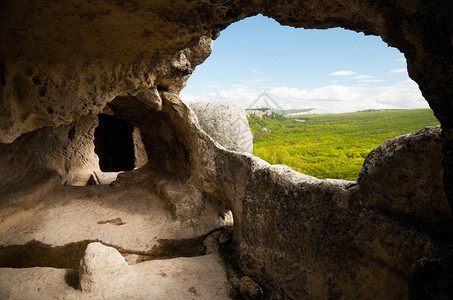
[[37, 254], [135, 221]]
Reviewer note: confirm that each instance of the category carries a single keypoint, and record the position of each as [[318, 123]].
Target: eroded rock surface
[[432, 277], [180, 278], [226, 122], [414, 188], [249, 289], [62, 63], [102, 269]]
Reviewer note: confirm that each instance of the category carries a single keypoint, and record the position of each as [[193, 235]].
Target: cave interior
[[87, 89]]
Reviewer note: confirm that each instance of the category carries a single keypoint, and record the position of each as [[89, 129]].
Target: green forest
[[331, 145]]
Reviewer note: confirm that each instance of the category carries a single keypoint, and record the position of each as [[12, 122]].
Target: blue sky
[[332, 70]]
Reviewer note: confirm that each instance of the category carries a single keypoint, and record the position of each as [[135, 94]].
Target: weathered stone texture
[[102, 269], [249, 289], [226, 122], [38, 162], [308, 236], [413, 188], [62, 63], [432, 277], [94, 52]]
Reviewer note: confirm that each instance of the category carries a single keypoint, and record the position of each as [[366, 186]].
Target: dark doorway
[[114, 145]]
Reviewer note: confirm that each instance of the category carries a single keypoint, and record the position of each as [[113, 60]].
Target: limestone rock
[[102, 269], [79, 65], [432, 277], [249, 289], [224, 237], [313, 223], [38, 162], [201, 277], [404, 175], [141, 158], [290, 230], [226, 122], [149, 97], [211, 242]]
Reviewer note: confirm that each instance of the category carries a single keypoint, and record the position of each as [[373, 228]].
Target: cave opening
[[351, 81], [114, 144]]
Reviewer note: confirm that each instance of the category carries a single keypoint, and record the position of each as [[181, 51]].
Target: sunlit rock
[[64, 63], [102, 269], [225, 122]]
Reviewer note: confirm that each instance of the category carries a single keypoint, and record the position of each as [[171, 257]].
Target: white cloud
[[371, 80], [257, 72], [399, 71], [363, 77], [343, 73], [213, 85], [405, 94], [199, 98], [327, 99], [255, 81], [243, 94]]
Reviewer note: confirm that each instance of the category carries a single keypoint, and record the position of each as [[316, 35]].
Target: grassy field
[[331, 146]]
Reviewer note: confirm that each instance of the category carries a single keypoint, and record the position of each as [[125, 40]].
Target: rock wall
[[44, 159], [226, 122], [415, 188], [40, 161], [63, 62], [302, 237], [54, 70]]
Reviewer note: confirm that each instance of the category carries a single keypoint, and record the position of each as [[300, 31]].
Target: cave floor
[[126, 219], [42, 246], [200, 277]]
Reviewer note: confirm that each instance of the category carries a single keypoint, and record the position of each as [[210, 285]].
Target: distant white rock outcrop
[[259, 112], [302, 113]]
